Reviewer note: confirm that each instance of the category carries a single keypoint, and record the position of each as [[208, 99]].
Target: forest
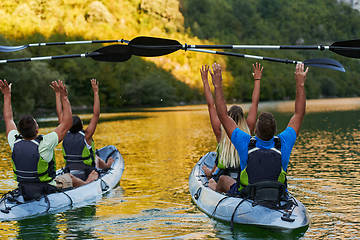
[[173, 79]]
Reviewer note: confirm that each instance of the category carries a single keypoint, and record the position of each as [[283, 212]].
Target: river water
[[160, 147]]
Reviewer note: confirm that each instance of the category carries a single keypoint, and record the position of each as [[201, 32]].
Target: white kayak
[[13, 206], [243, 211]]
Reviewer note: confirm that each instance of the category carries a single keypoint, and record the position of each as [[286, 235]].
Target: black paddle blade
[[349, 48], [325, 63], [153, 47], [112, 53]]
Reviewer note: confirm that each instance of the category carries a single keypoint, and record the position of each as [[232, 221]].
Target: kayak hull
[[14, 209], [222, 207]]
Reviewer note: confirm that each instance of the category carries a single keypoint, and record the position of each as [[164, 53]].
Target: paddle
[[153, 47], [18, 48], [349, 48], [112, 53], [122, 53]]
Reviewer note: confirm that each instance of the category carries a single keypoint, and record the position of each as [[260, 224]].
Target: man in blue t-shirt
[[261, 167]]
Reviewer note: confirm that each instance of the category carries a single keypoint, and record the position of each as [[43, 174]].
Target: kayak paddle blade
[[325, 63], [112, 53], [153, 47], [349, 48], [12, 48]]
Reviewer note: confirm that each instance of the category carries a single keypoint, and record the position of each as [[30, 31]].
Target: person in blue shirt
[[264, 157]]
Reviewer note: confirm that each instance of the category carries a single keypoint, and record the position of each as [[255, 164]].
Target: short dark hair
[[266, 126], [77, 124], [27, 126]]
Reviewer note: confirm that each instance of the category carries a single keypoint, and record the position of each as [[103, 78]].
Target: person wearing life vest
[[78, 146], [264, 159], [227, 160], [33, 155]]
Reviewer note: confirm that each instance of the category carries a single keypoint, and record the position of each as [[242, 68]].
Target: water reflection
[[161, 146]]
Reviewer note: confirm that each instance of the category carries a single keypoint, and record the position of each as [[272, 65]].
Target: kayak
[[290, 215], [13, 206]]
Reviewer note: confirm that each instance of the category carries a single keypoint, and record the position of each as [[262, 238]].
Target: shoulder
[[288, 136], [50, 139], [240, 136], [11, 138]]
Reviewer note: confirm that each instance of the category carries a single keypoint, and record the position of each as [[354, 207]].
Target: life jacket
[[28, 165], [223, 170], [77, 156], [262, 165]]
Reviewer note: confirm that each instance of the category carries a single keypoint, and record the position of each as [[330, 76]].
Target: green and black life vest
[[262, 165], [223, 170], [76, 154], [28, 165]]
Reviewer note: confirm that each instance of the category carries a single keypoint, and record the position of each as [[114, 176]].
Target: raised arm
[[220, 103], [66, 122], [90, 130], [300, 99], [251, 119], [8, 114], [215, 122], [55, 87]]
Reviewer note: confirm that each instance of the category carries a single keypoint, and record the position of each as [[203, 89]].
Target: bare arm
[[300, 99], [90, 130], [8, 114], [55, 87], [220, 103], [251, 119], [215, 122], [66, 123]]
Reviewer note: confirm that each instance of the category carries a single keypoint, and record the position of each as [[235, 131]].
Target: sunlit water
[[161, 146]]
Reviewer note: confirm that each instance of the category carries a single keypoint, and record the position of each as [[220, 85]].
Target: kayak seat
[[31, 190], [268, 194]]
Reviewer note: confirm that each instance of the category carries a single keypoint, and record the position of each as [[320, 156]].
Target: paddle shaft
[[245, 56], [73, 42], [320, 47], [48, 58]]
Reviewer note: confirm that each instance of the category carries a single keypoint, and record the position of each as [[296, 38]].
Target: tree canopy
[[174, 78]]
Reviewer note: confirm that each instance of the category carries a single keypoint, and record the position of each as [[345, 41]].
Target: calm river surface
[[161, 146]]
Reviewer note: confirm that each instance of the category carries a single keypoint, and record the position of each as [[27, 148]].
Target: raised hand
[[55, 86], [62, 88], [95, 85], [300, 75], [5, 87], [257, 71], [204, 70], [216, 75]]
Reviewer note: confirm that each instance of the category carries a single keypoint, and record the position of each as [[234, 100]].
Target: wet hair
[[77, 124], [229, 156], [27, 126], [266, 126]]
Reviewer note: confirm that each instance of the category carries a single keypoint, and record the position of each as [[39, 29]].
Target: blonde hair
[[228, 155]]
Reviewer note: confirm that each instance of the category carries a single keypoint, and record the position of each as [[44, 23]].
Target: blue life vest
[[262, 165], [28, 165]]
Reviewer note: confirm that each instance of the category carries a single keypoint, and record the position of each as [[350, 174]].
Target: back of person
[[263, 164], [78, 158]]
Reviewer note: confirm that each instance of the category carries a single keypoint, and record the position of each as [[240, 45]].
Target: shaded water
[[161, 146]]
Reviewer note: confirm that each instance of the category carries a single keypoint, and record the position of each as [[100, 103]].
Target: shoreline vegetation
[[174, 79]]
